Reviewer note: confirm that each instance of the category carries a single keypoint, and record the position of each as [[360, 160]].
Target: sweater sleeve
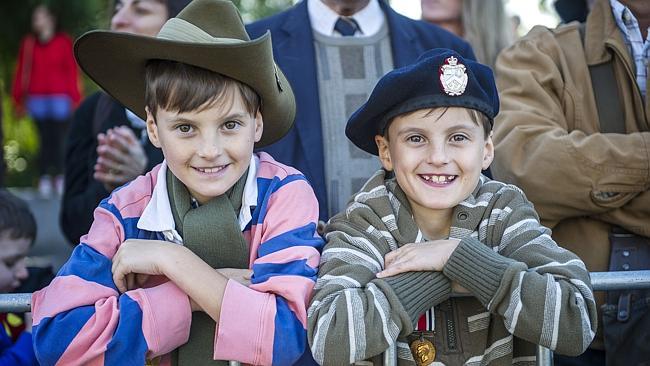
[[354, 315], [542, 291], [82, 192], [81, 318], [265, 323], [532, 134]]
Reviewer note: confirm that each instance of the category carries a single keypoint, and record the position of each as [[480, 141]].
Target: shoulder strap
[[102, 111], [608, 102]]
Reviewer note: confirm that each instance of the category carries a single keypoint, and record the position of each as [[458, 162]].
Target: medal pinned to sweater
[[424, 352], [453, 76]]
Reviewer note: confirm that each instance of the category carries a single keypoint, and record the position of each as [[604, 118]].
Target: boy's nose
[[209, 150], [21, 273], [120, 19], [438, 155]]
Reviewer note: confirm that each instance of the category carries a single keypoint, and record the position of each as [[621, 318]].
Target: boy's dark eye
[[458, 138], [139, 10], [185, 128], [231, 125], [416, 139]]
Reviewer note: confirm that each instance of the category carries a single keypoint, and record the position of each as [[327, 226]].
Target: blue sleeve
[[20, 353]]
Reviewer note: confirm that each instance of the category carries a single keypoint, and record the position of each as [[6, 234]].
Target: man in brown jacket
[[587, 185]]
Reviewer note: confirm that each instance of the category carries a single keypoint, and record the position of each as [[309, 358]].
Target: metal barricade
[[600, 281]]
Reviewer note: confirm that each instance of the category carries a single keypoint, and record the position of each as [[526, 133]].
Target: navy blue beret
[[439, 78]]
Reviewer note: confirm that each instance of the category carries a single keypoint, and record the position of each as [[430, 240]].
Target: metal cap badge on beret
[[208, 34], [439, 78]]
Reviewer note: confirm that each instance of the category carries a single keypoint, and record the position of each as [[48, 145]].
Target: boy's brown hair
[[180, 87], [16, 220]]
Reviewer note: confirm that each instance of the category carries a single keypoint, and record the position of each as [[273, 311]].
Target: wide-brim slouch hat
[[439, 78], [208, 34]]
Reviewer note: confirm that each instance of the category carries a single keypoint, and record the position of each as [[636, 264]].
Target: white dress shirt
[[322, 18]]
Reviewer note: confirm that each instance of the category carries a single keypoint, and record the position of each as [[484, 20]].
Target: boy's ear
[[152, 128], [259, 126], [488, 152], [384, 152]]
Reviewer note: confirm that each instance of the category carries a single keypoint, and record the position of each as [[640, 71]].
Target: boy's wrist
[[173, 260]]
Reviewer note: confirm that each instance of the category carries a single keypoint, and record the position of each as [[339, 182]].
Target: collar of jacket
[[600, 27]]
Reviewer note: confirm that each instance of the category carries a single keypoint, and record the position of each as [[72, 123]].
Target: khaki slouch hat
[[208, 34]]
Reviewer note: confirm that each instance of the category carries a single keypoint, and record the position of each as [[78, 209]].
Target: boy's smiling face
[[207, 149], [12, 261], [437, 157]]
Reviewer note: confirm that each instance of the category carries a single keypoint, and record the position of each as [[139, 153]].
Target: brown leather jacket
[[548, 141]]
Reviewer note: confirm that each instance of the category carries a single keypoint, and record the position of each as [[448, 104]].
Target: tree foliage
[[78, 16]]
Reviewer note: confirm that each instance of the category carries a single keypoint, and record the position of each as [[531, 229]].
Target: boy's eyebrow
[[235, 116], [224, 118], [410, 130], [462, 126], [12, 258]]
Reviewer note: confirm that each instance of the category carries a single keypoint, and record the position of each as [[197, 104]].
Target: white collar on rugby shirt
[[157, 216], [322, 18]]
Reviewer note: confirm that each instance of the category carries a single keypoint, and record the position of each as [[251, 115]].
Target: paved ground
[[50, 244]]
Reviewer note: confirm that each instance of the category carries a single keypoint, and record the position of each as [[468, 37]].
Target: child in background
[[17, 234], [429, 225], [214, 253]]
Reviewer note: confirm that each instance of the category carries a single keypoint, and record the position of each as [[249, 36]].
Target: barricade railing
[[600, 281]]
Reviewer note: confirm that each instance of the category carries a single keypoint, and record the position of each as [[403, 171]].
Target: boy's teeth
[[438, 178], [210, 170]]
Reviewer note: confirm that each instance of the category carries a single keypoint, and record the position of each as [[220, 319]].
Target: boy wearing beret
[[451, 266], [212, 255]]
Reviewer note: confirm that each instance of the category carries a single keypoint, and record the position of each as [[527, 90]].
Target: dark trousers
[[52, 134], [591, 357]]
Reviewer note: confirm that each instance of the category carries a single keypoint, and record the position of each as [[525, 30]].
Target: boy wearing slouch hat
[[430, 226], [213, 254]]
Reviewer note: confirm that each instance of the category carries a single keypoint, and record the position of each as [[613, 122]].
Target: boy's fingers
[[130, 281], [390, 257], [118, 279], [141, 279], [391, 271]]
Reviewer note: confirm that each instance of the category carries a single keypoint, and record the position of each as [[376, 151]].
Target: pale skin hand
[[204, 286], [120, 157], [417, 257]]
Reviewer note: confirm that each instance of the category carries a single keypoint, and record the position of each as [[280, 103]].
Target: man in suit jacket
[[333, 52]]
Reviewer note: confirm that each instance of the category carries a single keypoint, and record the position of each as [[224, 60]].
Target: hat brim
[[116, 62]]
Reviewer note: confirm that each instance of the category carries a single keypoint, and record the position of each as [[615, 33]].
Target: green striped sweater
[[526, 289]]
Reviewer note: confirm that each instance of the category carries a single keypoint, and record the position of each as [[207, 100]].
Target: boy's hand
[[120, 157], [242, 276], [137, 257], [427, 256]]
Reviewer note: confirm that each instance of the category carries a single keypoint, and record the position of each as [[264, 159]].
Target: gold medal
[[424, 352]]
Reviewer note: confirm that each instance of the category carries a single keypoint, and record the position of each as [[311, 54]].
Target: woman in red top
[[46, 84]]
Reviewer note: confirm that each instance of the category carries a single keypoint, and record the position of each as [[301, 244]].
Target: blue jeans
[[57, 107]]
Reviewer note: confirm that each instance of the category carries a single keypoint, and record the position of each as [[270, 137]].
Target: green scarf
[[212, 232]]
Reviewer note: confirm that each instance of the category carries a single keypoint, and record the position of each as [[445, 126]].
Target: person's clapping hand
[[120, 157]]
